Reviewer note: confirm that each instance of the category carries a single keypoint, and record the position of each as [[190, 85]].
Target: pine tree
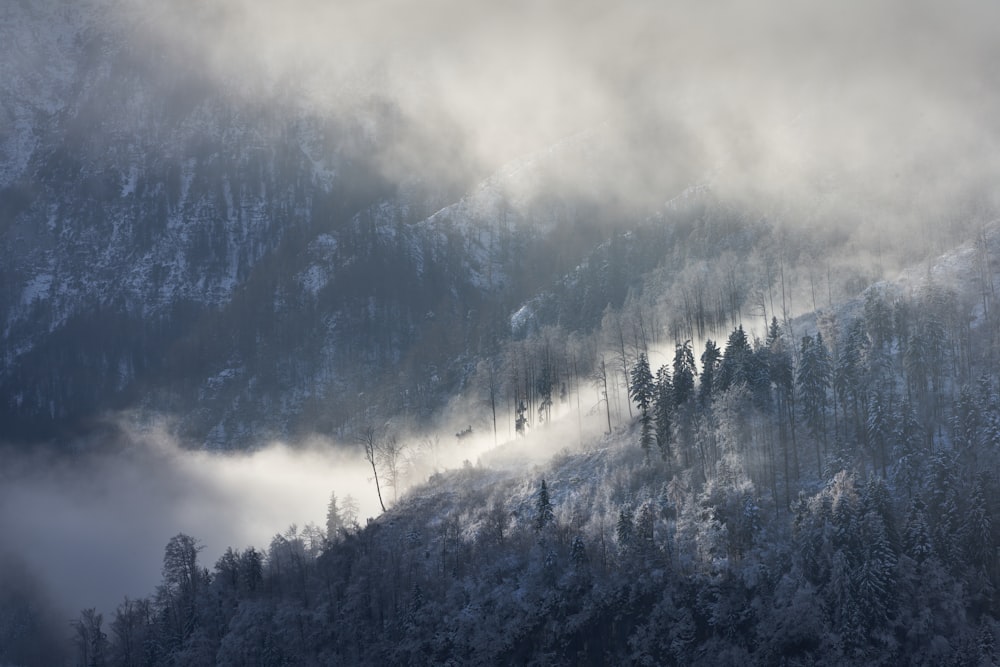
[[849, 377], [641, 390], [879, 427], [251, 566], [644, 529], [878, 318], [986, 645], [781, 376], [945, 507], [710, 359], [641, 386], [988, 402], [543, 386], [966, 424], [683, 380], [779, 364], [758, 377], [844, 609], [663, 410], [521, 418], [977, 529], [544, 514], [813, 380], [845, 534], [624, 530], [578, 551], [915, 365], [874, 575], [735, 367], [917, 541], [684, 373], [877, 498]]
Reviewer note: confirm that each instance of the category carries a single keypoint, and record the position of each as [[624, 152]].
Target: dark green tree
[[874, 575], [878, 318], [684, 373], [879, 430], [917, 541], [710, 359], [663, 409], [641, 385], [683, 380], [813, 381], [735, 367], [642, 391], [849, 379], [625, 529], [782, 379]]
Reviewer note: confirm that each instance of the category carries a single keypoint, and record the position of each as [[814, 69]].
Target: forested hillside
[[657, 333], [825, 500]]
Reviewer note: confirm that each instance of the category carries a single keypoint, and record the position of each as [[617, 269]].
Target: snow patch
[[222, 377], [128, 187], [521, 319], [313, 279], [38, 289]]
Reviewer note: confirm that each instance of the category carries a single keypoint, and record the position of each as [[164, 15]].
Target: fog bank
[[92, 527]]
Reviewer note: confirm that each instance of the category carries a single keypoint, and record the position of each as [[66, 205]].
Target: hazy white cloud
[[885, 107], [93, 527]]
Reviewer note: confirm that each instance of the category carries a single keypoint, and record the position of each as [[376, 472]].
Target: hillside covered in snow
[[456, 332]]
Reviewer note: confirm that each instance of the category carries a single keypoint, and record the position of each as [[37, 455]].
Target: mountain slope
[[169, 245]]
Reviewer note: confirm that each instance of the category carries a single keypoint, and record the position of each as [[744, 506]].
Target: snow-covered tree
[[544, 512], [813, 381], [663, 411], [642, 392], [334, 522], [710, 359], [684, 373]]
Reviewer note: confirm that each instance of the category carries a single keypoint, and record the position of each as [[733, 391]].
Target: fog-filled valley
[[520, 333]]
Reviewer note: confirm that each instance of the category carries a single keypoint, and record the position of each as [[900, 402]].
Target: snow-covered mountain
[[243, 263], [173, 246]]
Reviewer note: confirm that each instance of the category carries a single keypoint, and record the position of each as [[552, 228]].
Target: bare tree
[[334, 522], [601, 380], [611, 324], [488, 372], [369, 438], [393, 454], [91, 641], [428, 450], [349, 511], [386, 452]]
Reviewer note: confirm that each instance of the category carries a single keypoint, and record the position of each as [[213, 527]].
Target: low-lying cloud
[[92, 527], [818, 111]]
